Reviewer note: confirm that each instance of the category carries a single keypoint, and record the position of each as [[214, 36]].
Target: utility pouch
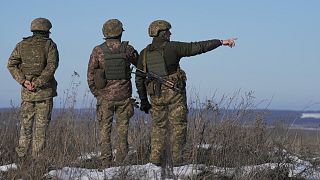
[[182, 79], [179, 79], [100, 80], [154, 88]]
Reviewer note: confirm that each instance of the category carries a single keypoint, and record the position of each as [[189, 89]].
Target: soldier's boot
[[104, 165], [167, 173], [178, 159], [178, 154], [92, 163], [177, 162], [155, 159], [121, 158], [23, 162], [105, 162]]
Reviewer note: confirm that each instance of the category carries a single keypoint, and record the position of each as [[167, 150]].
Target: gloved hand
[[145, 106]]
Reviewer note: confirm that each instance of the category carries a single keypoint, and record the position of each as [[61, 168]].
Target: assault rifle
[[160, 80]]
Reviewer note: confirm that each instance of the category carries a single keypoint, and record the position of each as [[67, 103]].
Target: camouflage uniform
[[170, 108], [35, 59], [115, 96]]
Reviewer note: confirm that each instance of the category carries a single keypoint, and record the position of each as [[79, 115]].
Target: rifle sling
[[144, 60]]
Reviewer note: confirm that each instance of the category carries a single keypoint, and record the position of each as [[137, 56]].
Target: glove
[[145, 106]]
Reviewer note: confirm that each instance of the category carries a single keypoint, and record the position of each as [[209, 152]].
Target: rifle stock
[[159, 79]]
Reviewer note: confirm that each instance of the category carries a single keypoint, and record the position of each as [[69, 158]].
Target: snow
[[152, 172], [147, 171], [87, 156], [208, 146], [8, 167], [310, 115]]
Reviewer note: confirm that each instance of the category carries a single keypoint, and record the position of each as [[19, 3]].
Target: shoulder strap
[[144, 60], [163, 46], [47, 47], [104, 48], [123, 46]]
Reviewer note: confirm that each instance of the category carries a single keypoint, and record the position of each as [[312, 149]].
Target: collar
[[112, 40], [158, 40]]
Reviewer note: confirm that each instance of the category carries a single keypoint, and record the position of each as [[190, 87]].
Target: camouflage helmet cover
[[157, 26], [112, 28], [41, 24]]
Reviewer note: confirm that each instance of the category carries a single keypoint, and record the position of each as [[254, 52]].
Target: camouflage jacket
[[173, 52], [36, 59], [115, 90]]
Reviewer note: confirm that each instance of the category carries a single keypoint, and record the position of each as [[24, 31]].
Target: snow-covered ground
[[298, 167], [147, 171], [7, 167], [150, 171]]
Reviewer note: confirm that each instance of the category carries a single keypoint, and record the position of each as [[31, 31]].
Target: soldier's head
[[41, 25], [160, 28], [112, 28]]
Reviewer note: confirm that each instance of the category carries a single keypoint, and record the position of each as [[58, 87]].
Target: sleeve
[[92, 65], [132, 55], [13, 65], [194, 48], [52, 64], [140, 78]]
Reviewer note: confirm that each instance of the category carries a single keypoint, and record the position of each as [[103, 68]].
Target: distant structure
[[310, 115]]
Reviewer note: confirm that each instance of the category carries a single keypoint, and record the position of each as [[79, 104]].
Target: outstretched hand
[[229, 42]]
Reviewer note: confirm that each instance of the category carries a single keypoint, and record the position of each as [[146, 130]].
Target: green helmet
[[112, 28], [41, 24], [157, 26]]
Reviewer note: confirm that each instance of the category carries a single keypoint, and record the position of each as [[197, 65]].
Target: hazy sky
[[277, 54]]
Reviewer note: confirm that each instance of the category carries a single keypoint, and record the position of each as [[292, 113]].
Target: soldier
[[32, 64], [169, 106], [109, 79]]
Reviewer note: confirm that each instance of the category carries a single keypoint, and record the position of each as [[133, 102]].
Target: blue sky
[[276, 56]]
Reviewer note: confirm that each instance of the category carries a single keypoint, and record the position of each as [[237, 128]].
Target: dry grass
[[236, 136]]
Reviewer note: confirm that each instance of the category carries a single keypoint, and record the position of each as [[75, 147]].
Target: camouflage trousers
[[105, 112], [169, 124], [34, 124]]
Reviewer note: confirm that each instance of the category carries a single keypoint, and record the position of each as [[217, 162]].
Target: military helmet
[[157, 26], [41, 24], [112, 28]]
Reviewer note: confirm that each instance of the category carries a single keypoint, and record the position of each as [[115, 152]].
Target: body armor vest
[[155, 61], [116, 64], [34, 55]]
